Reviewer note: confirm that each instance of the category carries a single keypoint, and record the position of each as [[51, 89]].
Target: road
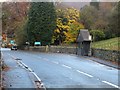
[[67, 71]]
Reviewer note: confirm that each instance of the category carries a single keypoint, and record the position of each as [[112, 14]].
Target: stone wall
[[53, 49], [110, 55]]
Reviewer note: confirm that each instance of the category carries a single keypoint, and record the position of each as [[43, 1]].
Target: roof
[[84, 35]]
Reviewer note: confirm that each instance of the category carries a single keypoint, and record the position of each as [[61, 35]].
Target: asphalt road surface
[[67, 71]]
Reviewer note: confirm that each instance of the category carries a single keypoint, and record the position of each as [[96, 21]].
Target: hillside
[[110, 44], [76, 5]]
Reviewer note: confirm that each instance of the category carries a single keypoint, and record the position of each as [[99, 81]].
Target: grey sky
[[58, 0]]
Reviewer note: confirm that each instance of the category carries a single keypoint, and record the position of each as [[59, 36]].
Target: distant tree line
[[102, 19], [49, 25], [43, 22]]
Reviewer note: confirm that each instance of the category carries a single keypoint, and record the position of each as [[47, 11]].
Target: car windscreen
[[14, 46]]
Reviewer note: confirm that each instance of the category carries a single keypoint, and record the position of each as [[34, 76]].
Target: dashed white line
[[66, 66], [69, 68], [111, 84], [98, 79], [84, 73], [55, 62], [45, 59]]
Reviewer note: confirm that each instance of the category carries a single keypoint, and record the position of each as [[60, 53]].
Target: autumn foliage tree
[[15, 13], [67, 26]]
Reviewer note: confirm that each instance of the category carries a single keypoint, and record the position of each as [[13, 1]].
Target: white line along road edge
[[111, 84]]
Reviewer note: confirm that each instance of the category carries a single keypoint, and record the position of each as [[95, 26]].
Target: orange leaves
[[4, 36], [57, 31], [14, 12]]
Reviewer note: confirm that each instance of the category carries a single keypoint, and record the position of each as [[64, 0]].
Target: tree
[[114, 21], [95, 3], [41, 22], [72, 33], [97, 35], [67, 25], [14, 12], [88, 16], [21, 34]]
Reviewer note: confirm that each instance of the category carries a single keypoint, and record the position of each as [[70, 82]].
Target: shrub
[[97, 35]]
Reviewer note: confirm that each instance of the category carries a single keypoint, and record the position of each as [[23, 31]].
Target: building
[[84, 40]]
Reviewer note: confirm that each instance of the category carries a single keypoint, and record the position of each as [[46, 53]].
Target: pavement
[[107, 63], [15, 76]]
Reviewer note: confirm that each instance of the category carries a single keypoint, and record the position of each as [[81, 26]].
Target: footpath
[[105, 62], [14, 76]]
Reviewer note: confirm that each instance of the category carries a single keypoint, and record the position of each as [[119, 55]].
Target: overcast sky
[[61, 0]]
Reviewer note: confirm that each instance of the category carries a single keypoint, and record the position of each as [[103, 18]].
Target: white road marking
[[1, 55], [66, 66], [111, 84], [36, 76], [12, 56], [98, 79], [55, 62], [84, 73], [19, 64], [100, 64], [45, 59], [29, 69]]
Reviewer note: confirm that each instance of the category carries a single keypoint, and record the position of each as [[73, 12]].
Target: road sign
[[12, 42], [37, 43]]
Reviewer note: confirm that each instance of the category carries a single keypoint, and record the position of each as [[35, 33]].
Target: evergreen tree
[[41, 22]]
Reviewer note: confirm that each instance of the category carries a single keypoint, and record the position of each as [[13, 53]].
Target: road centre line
[[66, 66], [106, 82], [55, 62], [111, 84], [45, 59], [84, 73]]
